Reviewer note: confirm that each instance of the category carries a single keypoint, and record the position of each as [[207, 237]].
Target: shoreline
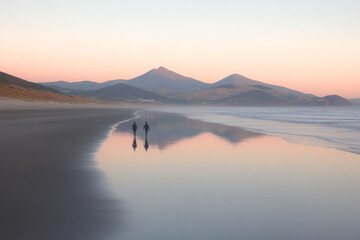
[[198, 171], [291, 130], [52, 188]]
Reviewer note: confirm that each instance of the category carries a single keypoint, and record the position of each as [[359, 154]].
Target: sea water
[[333, 127]]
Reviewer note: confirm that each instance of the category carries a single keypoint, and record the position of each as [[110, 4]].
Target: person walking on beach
[[146, 128], [134, 128]]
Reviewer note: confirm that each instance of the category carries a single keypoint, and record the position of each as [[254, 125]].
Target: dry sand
[[50, 186]]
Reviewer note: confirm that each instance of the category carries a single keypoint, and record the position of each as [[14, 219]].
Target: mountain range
[[161, 85], [152, 80], [67, 87], [124, 92], [12, 87], [162, 78]]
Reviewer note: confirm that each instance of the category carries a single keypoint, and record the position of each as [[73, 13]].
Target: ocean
[[331, 127]]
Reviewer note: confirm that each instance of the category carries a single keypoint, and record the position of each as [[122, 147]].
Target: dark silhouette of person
[[146, 143], [146, 129], [134, 128], [134, 144]]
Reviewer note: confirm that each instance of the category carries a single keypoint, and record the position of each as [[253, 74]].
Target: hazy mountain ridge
[[7, 79], [68, 87], [261, 98], [252, 98], [234, 89], [161, 77], [214, 95], [238, 79], [355, 101], [124, 92], [244, 95], [335, 100], [16, 88], [154, 79]]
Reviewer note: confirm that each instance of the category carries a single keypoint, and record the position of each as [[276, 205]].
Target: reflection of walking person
[[146, 144], [146, 128], [134, 144], [134, 128]]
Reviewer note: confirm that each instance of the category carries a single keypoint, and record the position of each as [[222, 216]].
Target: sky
[[311, 46]]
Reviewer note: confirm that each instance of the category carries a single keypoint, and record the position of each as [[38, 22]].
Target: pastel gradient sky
[[309, 45]]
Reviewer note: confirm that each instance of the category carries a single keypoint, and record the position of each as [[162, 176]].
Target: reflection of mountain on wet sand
[[166, 129]]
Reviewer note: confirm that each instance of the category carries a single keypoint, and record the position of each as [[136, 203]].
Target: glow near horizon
[[311, 46]]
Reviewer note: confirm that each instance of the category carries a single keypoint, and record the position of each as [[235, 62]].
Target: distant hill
[[335, 100], [252, 98], [124, 92], [162, 78], [237, 79], [251, 95], [262, 98], [261, 87], [355, 101], [216, 93], [16, 88], [228, 86], [69, 87], [168, 86], [113, 82], [157, 78], [7, 79]]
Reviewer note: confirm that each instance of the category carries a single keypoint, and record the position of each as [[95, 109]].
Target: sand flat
[[64, 175], [50, 186], [197, 180]]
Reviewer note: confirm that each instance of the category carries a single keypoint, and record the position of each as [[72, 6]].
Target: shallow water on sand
[[207, 181], [331, 127]]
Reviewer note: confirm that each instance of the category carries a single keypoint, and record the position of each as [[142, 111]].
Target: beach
[[79, 173], [180, 120], [197, 180], [50, 185]]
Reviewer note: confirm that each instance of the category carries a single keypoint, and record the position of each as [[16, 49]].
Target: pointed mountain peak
[[161, 70], [235, 79], [163, 78], [236, 75], [166, 73]]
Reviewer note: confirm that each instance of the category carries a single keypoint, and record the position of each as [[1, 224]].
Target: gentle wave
[[332, 127]]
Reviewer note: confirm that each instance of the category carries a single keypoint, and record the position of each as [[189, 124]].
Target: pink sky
[[307, 46], [319, 81]]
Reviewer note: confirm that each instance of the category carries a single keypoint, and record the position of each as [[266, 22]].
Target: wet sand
[[63, 176], [50, 186], [205, 181]]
